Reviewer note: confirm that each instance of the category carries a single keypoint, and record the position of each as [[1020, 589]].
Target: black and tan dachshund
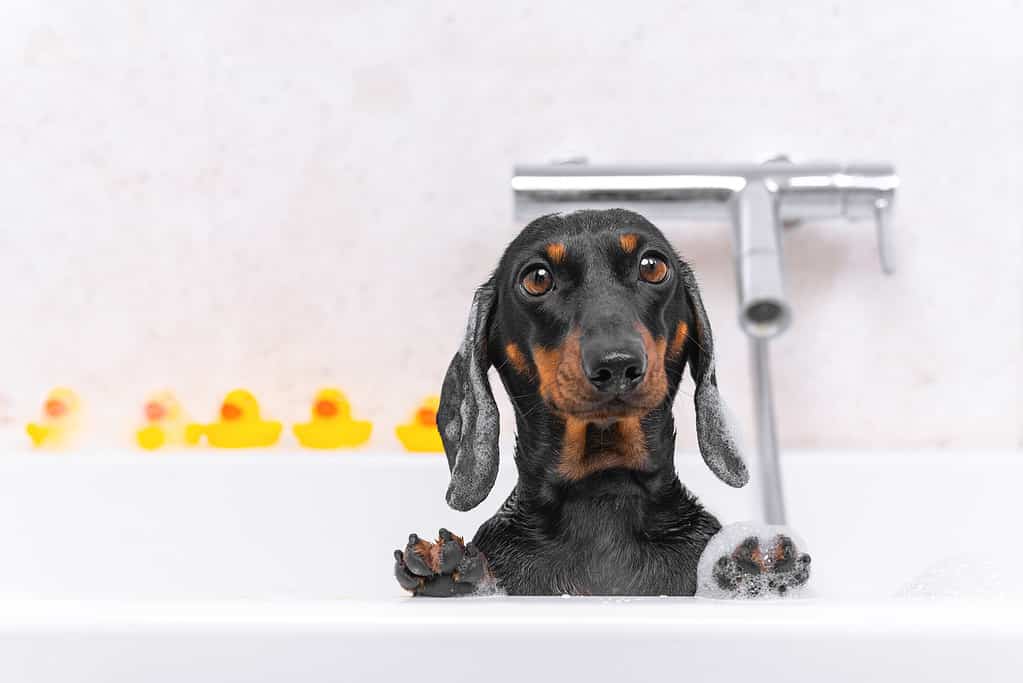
[[590, 319]]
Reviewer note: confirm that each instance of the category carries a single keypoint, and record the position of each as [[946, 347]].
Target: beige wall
[[285, 194]]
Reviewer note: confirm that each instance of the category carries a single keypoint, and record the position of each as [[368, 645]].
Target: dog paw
[[443, 568], [752, 570]]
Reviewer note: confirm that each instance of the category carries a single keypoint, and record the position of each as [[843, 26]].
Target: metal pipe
[[773, 499], [703, 191]]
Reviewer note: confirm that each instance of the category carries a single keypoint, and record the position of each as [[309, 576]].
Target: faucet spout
[[763, 313], [763, 308]]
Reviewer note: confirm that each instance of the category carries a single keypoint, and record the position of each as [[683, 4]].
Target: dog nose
[[614, 367]]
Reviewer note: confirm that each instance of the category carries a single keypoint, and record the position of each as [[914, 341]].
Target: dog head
[[592, 316]]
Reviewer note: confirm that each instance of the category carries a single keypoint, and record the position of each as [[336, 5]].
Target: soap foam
[[968, 575], [725, 572]]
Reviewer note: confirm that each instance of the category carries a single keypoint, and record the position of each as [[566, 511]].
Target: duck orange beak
[[55, 408], [230, 412], [155, 411], [325, 408], [426, 417]]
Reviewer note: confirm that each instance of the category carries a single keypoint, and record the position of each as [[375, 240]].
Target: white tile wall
[[282, 194]]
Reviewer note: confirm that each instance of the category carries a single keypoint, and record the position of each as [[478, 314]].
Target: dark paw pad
[[752, 570], [441, 568]]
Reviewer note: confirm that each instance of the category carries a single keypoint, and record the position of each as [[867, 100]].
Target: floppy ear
[[467, 416], [718, 443]]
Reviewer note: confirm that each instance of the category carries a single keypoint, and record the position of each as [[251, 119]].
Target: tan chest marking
[[585, 451]]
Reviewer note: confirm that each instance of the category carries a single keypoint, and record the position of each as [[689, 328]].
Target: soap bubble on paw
[[753, 560]]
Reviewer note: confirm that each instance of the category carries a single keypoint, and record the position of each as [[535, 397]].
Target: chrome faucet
[[758, 199]]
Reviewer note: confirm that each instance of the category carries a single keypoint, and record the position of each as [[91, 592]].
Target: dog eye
[[653, 269], [537, 281]]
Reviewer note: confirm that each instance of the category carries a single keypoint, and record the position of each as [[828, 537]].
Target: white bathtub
[[276, 566]]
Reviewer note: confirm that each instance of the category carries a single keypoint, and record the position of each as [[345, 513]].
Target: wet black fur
[[617, 532]]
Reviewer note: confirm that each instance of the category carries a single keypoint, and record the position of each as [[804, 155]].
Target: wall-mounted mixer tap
[[757, 199]]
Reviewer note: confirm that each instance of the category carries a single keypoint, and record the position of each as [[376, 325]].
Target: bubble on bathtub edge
[[975, 576]]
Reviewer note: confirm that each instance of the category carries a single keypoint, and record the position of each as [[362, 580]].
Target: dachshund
[[590, 319]]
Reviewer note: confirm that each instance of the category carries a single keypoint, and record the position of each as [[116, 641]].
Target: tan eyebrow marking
[[628, 242], [681, 334], [556, 252]]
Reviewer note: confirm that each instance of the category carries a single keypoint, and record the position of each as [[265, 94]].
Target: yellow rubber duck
[[421, 435], [331, 424], [60, 421], [239, 426], [166, 423]]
